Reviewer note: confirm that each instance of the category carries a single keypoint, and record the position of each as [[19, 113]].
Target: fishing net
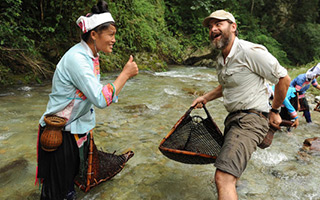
[[100, 167], [193, 140]]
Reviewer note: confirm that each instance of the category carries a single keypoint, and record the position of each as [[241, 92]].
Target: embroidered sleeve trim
[[298, 87], [294, 115], [108, 93]]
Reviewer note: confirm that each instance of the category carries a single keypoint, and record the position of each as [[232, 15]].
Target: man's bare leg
[[226, 185]]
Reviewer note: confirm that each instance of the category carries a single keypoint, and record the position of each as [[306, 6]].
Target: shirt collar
[[88, 50], [233, 48]]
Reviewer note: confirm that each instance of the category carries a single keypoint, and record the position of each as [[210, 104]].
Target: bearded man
[[243, 68]]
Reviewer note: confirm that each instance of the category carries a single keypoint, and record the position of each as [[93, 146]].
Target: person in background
[[302, 83], [76, 89], [288, 112], [243, 68], [289, 106]]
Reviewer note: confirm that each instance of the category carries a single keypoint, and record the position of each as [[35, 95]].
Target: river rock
[[193, 91], [311, 144], [137, 108], [310, 147], [208, 59]]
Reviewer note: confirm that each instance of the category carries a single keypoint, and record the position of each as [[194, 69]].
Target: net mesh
[[193, 140], [100, 166]]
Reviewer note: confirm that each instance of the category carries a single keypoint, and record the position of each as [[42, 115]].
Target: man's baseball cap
[[218, 14]]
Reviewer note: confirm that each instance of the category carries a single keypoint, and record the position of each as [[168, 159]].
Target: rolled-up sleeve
[[108, 92], [265, 64]]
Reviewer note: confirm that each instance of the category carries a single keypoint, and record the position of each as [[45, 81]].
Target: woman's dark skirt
[[58, 169]]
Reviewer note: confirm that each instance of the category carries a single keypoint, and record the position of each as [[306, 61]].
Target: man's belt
[[259, 113]]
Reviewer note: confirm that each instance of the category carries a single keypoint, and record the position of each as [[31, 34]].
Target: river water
[[149, 105]]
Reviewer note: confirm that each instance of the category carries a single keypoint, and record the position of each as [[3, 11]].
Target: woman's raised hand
[[128, 71], [131, 68]]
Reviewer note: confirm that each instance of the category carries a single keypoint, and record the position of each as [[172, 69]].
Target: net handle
[[208, 115], [203, 106], [189, 110], [207, 112]]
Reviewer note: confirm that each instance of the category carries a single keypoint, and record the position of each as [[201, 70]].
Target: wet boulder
[[310, 147], [311, 144], [193, 91]]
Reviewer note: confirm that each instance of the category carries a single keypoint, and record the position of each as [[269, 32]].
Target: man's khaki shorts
[[243, 132]]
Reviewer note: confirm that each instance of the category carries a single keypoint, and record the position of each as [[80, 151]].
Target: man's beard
[[223, 42]]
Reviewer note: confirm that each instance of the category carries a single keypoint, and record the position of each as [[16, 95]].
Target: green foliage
[[306, 41], [111, 62], [273, 46], [12, 32], [184, 20], [294, 25], [141, 27], [4, 75]]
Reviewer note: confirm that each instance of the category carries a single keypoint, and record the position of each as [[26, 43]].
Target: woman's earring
[[95, 47]]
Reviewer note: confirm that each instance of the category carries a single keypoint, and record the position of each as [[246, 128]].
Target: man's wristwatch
[[274, 110]]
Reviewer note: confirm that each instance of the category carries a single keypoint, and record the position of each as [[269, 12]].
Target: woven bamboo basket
[[51, 137], [193, 140], [101, 166]]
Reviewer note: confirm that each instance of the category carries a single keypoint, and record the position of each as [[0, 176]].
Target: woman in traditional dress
[[289, 107], [302, 83], [76, 89]]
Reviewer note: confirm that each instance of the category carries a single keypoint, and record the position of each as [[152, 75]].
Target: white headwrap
[[88, 23], [313, 72]]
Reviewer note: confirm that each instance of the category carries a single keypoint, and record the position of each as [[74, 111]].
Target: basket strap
[[205, 109]]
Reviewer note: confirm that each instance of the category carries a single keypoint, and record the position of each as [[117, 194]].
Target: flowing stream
[[149, 105]]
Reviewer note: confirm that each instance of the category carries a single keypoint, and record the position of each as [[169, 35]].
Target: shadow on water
[[149, 105]]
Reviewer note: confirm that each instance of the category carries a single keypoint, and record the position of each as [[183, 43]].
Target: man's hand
[[213, 94], [199, 102], [275, 119]]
